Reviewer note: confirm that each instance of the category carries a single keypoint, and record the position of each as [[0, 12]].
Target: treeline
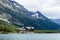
[[7, 28]]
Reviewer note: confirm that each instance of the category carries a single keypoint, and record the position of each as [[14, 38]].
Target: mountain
[[19, 16], [56, 21]]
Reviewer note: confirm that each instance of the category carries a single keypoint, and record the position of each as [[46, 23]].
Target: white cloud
[[50, 8]]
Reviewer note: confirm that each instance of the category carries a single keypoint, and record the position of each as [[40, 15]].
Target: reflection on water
[[29, 36]]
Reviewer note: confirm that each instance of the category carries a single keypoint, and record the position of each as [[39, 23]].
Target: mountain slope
[[56, 21], [16, 14], [6, 27]]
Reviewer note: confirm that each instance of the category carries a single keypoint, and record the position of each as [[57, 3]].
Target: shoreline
[[33, 33]]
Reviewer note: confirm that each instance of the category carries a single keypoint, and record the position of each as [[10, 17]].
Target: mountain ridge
[[19, 15], [56, 21]]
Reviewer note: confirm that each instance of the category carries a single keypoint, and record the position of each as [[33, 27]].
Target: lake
[[30, 36]]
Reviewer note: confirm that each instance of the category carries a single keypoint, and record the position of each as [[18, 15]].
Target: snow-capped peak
[[35, 15]]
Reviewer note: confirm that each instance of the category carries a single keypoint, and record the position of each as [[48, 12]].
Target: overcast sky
[[50, 8]]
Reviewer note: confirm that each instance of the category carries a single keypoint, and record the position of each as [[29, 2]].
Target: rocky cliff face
[[17, 15]]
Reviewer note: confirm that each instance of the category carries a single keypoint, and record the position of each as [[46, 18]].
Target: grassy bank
[[46, 31], [7, 30]]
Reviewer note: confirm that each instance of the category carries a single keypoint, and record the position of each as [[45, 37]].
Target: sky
[[50, 8]]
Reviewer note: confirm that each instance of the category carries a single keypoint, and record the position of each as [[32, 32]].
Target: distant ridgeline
[[19, 16]]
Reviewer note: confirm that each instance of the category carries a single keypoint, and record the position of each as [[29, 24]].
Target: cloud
[[50, 8]]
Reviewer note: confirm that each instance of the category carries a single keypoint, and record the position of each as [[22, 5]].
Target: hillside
[[5, 27], [19, 16]]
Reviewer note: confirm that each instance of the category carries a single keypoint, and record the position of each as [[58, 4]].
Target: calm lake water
[[29, 36]]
